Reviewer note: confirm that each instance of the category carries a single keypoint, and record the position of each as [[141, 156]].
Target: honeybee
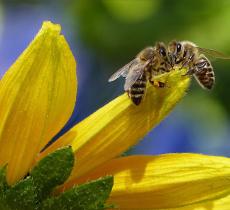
[[149, 62], [189, 55]]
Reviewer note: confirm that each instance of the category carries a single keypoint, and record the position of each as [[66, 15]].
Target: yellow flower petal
[[120, 124], [165, 181], [37, 96], [218, 204]]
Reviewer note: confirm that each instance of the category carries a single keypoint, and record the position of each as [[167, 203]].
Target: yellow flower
[[37, 97], [32, 96]]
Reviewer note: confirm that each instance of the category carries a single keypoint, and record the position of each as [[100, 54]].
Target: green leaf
[[3, 187], [22, 196], [3, 183], [89, 196], [31, 193], [3, 205], [52, 170]]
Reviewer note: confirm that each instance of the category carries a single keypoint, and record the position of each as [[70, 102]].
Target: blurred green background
[[104, 35]]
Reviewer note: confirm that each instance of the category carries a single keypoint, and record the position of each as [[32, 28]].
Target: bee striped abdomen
[[205, 76], [137, 90]]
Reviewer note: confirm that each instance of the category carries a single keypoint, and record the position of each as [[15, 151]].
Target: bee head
[[162, 52], [175, 51], [161, 49]]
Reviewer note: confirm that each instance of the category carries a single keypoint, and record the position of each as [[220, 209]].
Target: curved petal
[[32, 96], [120, 124], [165, 181], [218, 204]]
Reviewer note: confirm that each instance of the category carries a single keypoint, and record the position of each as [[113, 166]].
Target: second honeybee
[[149, 62]]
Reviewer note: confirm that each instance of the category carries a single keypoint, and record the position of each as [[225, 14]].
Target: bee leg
[[161, 84], [172, 59], [187, 61], [158, 84], [191, 71], [184, 65], [152, 82], [150, 77]]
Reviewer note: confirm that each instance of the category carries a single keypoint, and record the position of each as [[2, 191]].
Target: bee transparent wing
[[213, 53], [134, 74], [122, 71]]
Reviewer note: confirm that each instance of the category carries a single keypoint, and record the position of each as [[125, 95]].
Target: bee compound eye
[[162, 51], [178, 47]]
